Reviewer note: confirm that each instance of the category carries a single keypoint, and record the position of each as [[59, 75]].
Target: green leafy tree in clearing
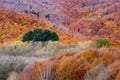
[[55, 37], [48, 34], [28, 36], [103, 43], [35, 31], [44, 38], [39, 35]]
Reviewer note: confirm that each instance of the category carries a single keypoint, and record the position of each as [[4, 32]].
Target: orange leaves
[[107, 59], [24, 78], [36, 71], [2, 37], [90, 55], [68, 38], [90, 64], [64, 70], [118, 76], [115, 42], [42, 71], [70, 67]]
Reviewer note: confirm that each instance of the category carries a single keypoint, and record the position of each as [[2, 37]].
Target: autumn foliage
[[81, 25], [78, 67], [13, 26]]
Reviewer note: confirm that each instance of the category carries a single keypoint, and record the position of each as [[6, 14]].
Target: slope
[[91, 18], [13, 26]]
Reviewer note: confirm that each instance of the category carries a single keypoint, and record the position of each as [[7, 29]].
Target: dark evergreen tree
[[35, 31], [44, 38], [39, 35], [54, 37], [48, 33], [28, 36]]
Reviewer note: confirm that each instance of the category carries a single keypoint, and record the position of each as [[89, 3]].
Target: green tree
[[28, 36], [54, 37], [48, 34], [103, 43], [39, 35], [35, 31], [44, 38]]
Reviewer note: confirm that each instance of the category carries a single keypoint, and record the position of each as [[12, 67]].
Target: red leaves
[[80, 72]]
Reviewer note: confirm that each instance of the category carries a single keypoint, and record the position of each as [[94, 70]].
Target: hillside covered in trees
[[90, 18], [59, 40], [13, 26]]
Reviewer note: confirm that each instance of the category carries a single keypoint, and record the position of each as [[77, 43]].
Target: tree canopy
[[40, 35]]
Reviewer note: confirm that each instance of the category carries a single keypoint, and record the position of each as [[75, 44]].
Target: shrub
[[103, 43], [39, 35]]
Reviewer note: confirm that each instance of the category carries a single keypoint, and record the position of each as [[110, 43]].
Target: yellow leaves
[[85, 44], [90, 55], [3, 37], [67, 39], [95, 62], [49, 27], [65, 68], [17, 43], [116, 29]]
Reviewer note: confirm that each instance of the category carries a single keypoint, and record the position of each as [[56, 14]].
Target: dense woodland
[[59, 39]]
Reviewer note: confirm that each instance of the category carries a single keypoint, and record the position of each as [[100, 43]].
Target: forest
[[59, 40]]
